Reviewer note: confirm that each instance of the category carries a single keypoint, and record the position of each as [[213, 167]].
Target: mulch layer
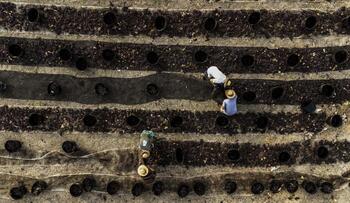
[[125, 56], [188, 23], [167, 121]]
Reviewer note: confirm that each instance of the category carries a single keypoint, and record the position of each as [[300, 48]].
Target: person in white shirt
[[217, 78]]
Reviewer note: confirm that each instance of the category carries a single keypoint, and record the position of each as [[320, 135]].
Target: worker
[[229, 105], [146, 145], [217, 79]]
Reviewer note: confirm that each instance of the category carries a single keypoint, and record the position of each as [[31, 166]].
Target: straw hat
[[145, 154], [230, 94], [142, 170]]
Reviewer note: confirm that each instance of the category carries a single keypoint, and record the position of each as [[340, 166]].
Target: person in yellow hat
[[229, 105]]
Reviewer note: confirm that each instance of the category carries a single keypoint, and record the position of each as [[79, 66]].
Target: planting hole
[[152, 89], [284, 157], [69, 147], [109, 18], [327, 90], [89, 120], [262, 122], [132, 121], [33, 15], [81, 64], [101, 89], [222, 121], [247, 61], [152, 57], [183, 190], [13, 146], [327, 187], [176, 121], [292, 186], [158, 188], [346, 22], [89, 184], [64, 54], [137, 189], [36, 119], [210, 24], [257, 188], [199, 188], [341, 56], [15, 50], [310, 187], [108, 55], [293, 60], [53, 89], [112, 187], [18, 192], [336, 121], [322, 152], [249, 96], [230, 187], [277, 93], [76, 190], [38, 187], [160, 23], [200, 57], [254, 18], [275, 186], [308, 106], [310, 22], [179, 155], [233, 155], [3, 87]]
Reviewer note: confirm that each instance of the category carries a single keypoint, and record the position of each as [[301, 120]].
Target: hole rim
[[65, 54], [15, 50], [234, 155], [322, 152], [133, 121], [277, 93], [36, 119], [89, 120], [152, 58], [152, 89], [109, 18], [310, 23], [341, 56], [200, 57], [210, 24], [254, 18], [33, 15], [81, 64], [284, 157], [247, 61], [108, 55], [293, 60], [160, 23]]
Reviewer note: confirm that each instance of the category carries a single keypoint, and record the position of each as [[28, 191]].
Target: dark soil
[[89, 184], [18, 192], [164, 86], [113, 187], [137, 189], [230, 187], [208, 153], [83, 55], [58, 119], [158, 188], [124, 21]]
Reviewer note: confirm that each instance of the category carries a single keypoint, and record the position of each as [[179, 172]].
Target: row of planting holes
[[235, 156], [339, 57], [200, 188], [54, 89], [177, 121], [209, 24]]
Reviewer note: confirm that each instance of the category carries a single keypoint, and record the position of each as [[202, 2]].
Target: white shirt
[[214, 72]]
